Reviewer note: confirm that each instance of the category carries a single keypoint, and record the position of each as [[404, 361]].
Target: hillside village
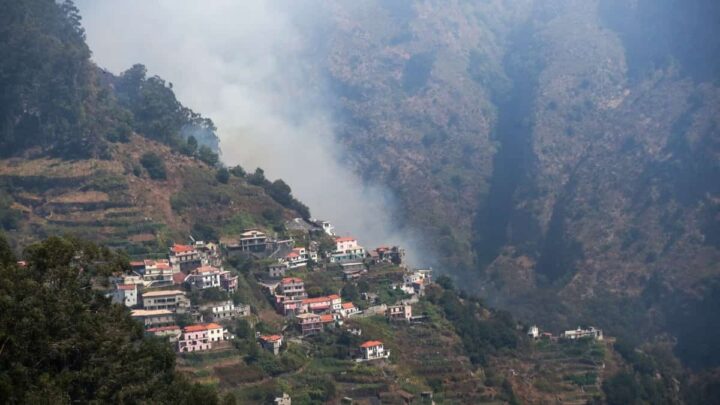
[[309, 281]]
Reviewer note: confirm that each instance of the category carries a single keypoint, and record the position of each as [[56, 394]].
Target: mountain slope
[[559, 167]]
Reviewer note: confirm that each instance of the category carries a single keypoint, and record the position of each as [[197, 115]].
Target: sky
[[249, 66]]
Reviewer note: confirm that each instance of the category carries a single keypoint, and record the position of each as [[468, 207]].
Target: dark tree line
[[61, 341]]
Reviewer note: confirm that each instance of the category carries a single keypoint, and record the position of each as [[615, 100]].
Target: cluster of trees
[[481, 336], [52, 96], [50, 91], [157, 114], [279, 191], [61, 341]]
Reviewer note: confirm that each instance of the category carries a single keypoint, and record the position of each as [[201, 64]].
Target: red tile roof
[[289, 280], [348, 305], [271, 338], [325, 318], [126, 286], [345, 239], [319, 300], [195, 328], [292, 255], [181, 248], [137, 264], [207, 269], [371, 343], [178, 278]]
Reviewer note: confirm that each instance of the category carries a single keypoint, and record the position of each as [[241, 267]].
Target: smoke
[[251, 66]]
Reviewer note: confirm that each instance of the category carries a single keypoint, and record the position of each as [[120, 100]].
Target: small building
[[228, 281], [184, 258], [579, 333], [326, 226], [292, 287], [271, 343], [352, 270], [173, 300], [348, 309], [373, 350], [224, 310], [534, 332], [402, 312], [298, 257], [154, 318], [277, 270], [385, 254], [172, 332], [283, 400], [125, 294]]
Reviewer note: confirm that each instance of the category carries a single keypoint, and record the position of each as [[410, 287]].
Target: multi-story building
[[271, 343], [154, 318], [224, 310], [402, 312], [201, 337], [277, 270], [125, 294], [203, 277], [373, 350], [172, 300], [252, 240], [321, 304], [347, 249], [184, 258], [292, 287], [158, 272]]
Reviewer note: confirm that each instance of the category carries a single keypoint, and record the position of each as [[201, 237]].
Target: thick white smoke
[[246, 65]]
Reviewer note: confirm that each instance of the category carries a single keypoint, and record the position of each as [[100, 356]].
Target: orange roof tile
[[325, 318], [195, 328], [348, 305], [345, 239], [126, 286], [288, 280], [371, 343], [181, 248], [271, 338], [320, 299]]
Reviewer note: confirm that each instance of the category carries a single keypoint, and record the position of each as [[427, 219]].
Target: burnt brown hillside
[[564, 155]]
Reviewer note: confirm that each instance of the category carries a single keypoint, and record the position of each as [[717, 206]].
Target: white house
[[579, 333], [125, 294], [204, 277], [347, 249], [373, 350], [534, 332]]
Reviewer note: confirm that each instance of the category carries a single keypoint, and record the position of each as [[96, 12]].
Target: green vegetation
[[154, 166], [64, 342]]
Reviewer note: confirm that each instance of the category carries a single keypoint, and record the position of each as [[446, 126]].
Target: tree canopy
[[62, 342]]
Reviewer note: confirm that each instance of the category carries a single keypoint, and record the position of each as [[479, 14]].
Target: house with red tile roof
[[292, 288], [184, 258], [201, 337], [348, 309], [321, 304], [271, 343], [373, 350], [126, 294], [347, 249]]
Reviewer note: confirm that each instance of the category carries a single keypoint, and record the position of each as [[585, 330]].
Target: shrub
[[154, 166]]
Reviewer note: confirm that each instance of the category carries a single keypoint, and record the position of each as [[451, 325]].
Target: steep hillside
[[116, 201], [558, 167]]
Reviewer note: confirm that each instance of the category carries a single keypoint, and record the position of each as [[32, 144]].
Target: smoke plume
[[250, 66]]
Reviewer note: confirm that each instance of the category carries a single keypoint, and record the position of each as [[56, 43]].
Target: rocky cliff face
[[555, 154]]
